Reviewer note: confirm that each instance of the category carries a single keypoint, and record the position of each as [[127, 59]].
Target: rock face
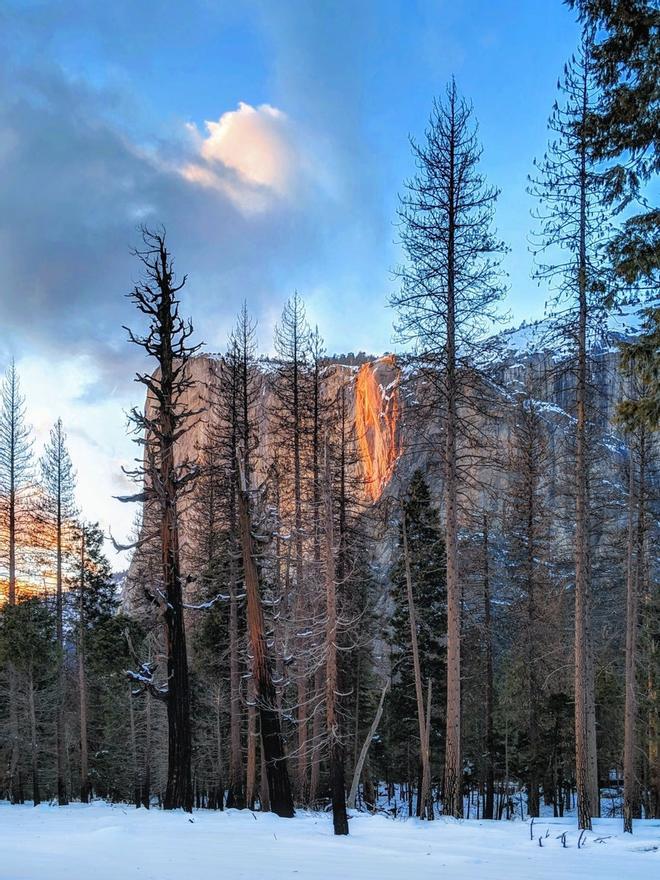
[[376, 405], [397, 429]]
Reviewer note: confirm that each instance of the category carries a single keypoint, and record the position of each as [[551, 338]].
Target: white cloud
[[249, 155]]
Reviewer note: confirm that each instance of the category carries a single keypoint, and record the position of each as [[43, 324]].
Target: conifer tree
[[291, 417], [573, 231], [57, 513], [28, 641], [622, 126], [423, 541], [15, 475], [450, 285], [639, 413]]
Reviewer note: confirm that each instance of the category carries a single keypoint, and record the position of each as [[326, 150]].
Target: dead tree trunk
[[279, 786], [164, 479], [359, 764]]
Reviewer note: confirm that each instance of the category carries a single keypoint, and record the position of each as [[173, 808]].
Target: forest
[[421, 584]]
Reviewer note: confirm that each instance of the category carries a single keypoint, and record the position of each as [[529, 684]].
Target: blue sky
[[103, 123]]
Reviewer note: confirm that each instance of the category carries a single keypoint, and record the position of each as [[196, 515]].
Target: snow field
[[104, 842]]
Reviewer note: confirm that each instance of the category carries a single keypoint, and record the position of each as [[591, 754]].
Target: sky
[[270, 138]]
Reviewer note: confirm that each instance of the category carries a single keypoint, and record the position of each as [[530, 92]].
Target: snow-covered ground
[[105, 842]]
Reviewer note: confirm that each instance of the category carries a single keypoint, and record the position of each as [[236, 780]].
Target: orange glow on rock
[[376, 422]]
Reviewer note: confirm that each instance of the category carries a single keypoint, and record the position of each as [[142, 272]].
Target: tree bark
[[359, 764], [489, 798], [586, 770], [337, 787], [62, 797], [34, 754], [419, 694], [634, 557], [82, 680], [279, 786], [453, 781], [251, 765], [235, 795]]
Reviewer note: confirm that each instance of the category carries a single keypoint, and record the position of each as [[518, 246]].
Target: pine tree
[[641, 358], [57, 513], [96, 602], [28, 641], [529, 559], [569, 187], [291, 419], [622, 125], [15, 476], [451, 284], [639, 413]]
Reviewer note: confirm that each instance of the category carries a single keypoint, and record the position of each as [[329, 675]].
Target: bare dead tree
[[450, 285], [165, 481]]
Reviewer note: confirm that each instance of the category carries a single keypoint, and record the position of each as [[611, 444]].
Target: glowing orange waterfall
[[376, 419]]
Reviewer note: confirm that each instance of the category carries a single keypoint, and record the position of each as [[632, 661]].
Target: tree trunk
[[134, 751], [359, 764], [219, 786], [146, 778], [251, 767], [179, 791], [419, 694], [316, 737], [586, 771], [453, 780], [337, 788], [489, 798], [34, 755], [279, 786], [62, 797], [82, 681], [532, 684], [634, 556], [15, 758], [235, 795]]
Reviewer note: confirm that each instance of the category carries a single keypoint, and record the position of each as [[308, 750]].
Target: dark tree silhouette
[[165, 480]]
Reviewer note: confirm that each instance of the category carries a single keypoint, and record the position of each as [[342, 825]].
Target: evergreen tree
[[95, 603], [15, 476], [573, 231], [622, 126], [28, 641], [58, 512], [641, 358], [291, 414], [426, 555]]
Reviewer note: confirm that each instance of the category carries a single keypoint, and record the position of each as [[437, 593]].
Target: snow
[[109, 842]]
